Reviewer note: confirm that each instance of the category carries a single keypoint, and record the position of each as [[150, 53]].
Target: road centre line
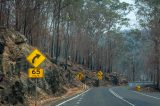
[[147, 95], [120, 97], [72, 98], [77, 102], [81, 98]]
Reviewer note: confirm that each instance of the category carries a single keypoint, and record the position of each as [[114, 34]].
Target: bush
[[53, 82], [16, 94]]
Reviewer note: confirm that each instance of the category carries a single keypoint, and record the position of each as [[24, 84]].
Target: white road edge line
[[147, 95], [120, 97], [72, 98]]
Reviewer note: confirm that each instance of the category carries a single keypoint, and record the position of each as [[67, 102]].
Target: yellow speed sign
[[35, 73]]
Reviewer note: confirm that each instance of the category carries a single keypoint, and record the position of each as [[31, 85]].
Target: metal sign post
[[36, 93], [35, 58]]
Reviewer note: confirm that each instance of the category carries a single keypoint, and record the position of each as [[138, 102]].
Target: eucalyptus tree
[[149, 13], [82, 29], [95, 18]]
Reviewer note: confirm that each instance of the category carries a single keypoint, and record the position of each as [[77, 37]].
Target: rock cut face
[[1, 44], [12, 47], [1, 48]]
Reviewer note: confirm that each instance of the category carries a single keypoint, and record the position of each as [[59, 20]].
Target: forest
[[90, 33]]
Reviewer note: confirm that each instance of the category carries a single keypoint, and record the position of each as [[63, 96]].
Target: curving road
[[117, 96]]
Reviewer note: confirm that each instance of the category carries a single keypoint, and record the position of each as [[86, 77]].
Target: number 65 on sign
[[35, 73]]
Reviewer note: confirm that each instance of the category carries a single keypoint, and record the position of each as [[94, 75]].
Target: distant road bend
[[117, 96]]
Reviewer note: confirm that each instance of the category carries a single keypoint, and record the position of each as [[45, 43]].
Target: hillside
[[15, 86], [14, 80]]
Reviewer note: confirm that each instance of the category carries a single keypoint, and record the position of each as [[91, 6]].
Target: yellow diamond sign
[[35, 58], [79, 76], [100, 75], [35, 73]]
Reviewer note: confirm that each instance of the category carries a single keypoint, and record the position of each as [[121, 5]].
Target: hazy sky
[[133, 22]]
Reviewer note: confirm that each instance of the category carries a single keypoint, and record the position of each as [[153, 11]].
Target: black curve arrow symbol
[[37, 56]]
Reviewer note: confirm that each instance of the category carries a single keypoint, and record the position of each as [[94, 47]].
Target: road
[[117, 96]]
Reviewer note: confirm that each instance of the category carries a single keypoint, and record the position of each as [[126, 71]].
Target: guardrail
[[134, 84]]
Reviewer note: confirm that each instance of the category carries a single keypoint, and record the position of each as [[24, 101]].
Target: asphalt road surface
[[116, 96]]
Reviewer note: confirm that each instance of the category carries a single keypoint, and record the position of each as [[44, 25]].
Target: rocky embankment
[[15, 86]]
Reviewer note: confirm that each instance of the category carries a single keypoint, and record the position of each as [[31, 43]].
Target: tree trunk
[[58, 24], [17, 15], [67, 45]]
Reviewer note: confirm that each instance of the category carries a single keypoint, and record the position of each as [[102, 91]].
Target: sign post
[[36, 93], [80, 77], [35, 58]]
